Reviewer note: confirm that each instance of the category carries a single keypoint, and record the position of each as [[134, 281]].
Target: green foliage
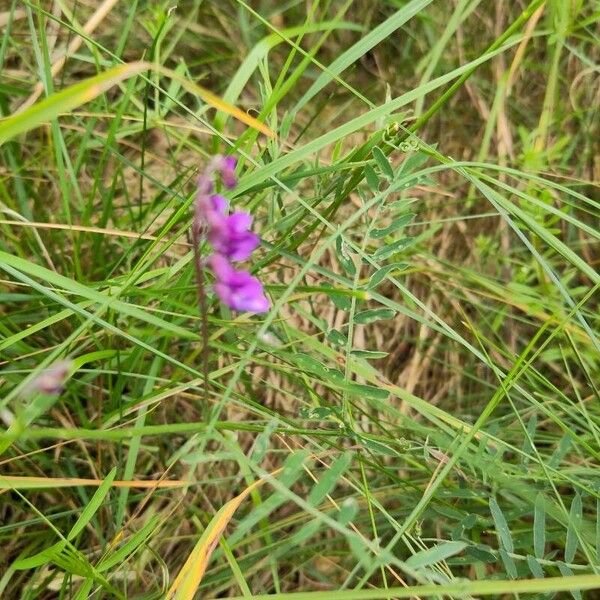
[[420, 406]]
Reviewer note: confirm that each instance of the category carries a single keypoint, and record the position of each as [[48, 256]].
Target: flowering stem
[[196, 239], [231, 241]]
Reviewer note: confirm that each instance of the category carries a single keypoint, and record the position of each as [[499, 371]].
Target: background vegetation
[[421, 403]]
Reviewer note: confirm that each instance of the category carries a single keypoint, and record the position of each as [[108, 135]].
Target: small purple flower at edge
[[50, 381], [238, 289]]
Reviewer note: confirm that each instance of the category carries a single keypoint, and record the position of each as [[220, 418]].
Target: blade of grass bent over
[[187, 581], [81, 93]]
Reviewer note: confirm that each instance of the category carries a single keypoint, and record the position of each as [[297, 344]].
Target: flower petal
[[222, 269], [239, 221], [219, 203]]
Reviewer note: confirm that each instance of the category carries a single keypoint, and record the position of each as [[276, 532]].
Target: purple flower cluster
[[51, 381], [231, 239]]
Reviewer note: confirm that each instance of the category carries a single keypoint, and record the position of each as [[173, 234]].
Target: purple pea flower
[[219, 204], [231, 237], [238, 289], [51, 381], [210, 209], [226, 166]]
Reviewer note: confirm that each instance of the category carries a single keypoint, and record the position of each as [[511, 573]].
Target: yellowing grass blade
[[187, 581], [213, 100], [9, 482], [75, 95]]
